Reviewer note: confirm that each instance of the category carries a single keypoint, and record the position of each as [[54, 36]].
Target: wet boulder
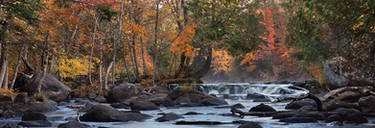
[[194, 98], [367, 104], [168, 117], [33, 116], [142, 105], [101, 113], [250, 125], [262, 108], [256, 97], [74, 124], [123, 92], [46, 106], [334, 80], [52, 88], [300, 103]]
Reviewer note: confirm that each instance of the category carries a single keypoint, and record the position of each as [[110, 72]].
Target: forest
[[144, 54]]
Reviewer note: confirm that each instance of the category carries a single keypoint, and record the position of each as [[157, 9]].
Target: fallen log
[[362, 90]]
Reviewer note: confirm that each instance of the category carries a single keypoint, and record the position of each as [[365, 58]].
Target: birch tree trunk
[[4, 65], [92, 51], [45, 64], [107, 75], [117, 42], [19, 61], [101, 57]]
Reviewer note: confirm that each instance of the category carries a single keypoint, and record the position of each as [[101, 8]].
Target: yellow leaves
[[356, 26], [181, 44], [73, 67]]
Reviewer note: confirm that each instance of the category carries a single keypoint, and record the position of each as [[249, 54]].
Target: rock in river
[[101, 113], [169, 117], [123, 92], [52, 88], [262, 108]]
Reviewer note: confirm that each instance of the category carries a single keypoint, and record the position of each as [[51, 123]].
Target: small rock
[[73, 124], [92, 96], [169, 117], [33, 116], [193, 113], [262, 108], [100, 99], [239, 105], [250, 125], [120, 105]]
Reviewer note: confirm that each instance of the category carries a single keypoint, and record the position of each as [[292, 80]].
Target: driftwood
[[262, 114], [362, 90], [337, 94]]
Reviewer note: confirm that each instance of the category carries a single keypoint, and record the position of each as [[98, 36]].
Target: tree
[[323, 30]]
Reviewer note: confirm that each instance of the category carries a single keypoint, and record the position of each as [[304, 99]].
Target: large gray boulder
[[334, 80], [123, 92], [52, 88]]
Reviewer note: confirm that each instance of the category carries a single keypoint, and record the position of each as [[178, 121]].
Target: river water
[[234, 92]]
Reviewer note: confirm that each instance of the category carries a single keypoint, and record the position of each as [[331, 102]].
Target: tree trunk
[[4, 64], [101, 57], [44, 65], [107, 75], [143, 58], [117, 42], [156, 42], [126, 66], [92, 51], [20, 54], [5, 84], [135, 58]]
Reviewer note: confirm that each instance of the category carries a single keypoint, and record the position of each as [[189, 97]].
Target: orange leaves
[[181, 44], [222, 61]]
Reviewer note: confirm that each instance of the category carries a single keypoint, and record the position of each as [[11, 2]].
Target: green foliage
[[106, 11], [26, 9], [317, 26], [232, 25]]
